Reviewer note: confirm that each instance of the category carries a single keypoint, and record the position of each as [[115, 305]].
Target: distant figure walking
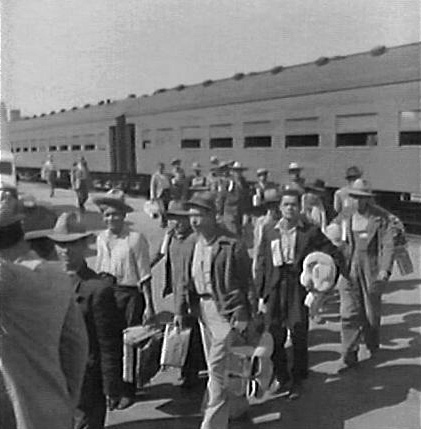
[[49, 174], [80, 180]]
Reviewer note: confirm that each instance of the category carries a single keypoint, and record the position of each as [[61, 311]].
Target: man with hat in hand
[[280, 257], [44, 346], [235, 201], [220, 278], [341, 199], [102, 382], [368, 235], [124, 254]]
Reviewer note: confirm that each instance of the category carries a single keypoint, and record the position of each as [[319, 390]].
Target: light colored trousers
[[217, 337]]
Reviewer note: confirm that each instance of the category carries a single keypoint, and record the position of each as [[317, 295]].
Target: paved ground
[[382, 394]]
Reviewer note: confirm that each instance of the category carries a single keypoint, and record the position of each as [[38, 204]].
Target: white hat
[[319, 272], [238, 166], [294, 166]]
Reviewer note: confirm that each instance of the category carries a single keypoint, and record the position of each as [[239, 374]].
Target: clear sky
[[61, 53]]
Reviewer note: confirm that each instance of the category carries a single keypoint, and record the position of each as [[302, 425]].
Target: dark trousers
[[91, 416], [299, 339], [163, 202], [195, 360], [131, 304]]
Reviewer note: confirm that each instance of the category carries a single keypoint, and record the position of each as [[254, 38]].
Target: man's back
[[43, 343]]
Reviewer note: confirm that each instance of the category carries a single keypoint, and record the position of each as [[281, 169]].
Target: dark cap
[[204, 200], [353, 172]]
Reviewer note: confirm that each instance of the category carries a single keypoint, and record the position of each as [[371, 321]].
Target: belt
[[205, 296]]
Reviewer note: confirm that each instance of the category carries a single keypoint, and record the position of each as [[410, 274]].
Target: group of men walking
[[219, 281]]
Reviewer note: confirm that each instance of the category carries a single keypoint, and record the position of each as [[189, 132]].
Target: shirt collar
[[282, 225], [123, 233]]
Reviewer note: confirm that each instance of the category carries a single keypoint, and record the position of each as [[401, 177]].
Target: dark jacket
[[231, 279], [95, 297], [380, 239], [269, 277], [177, 256]]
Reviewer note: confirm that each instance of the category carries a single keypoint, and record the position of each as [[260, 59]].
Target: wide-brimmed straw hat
[[196, 166], [360, 188], [68, 228], [10, 209], [319, 272], [113, 198], [261, 171], [294, 166], [238, 166]]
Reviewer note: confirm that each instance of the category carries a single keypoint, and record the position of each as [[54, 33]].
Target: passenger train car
[[361, 109]]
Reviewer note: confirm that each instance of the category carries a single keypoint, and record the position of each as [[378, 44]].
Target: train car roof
[[378, 67]]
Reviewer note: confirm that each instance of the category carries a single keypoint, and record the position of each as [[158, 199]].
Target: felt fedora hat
[[196, 166], [10, 208], [177, 208], [318, 186], [353, 172], [203, 200], [360, 188], [113, 198], [68, 228], [175, 161]]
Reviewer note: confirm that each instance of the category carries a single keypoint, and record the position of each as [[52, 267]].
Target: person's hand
[[240, 326], [383, 276], [112, 402], [262, 307], [148, 313], [178, 322]]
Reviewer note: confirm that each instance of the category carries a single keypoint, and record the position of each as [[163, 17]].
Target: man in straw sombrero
[[44, 346], [368, 234], [124, 254]]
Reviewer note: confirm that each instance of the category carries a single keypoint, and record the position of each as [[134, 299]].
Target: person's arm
[[152, 192], [260, 266], [73, 350], [108, 327], [387, 244], [323, 244], [337, 201]]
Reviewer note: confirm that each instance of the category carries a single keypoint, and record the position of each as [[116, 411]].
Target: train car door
[[123, 146]]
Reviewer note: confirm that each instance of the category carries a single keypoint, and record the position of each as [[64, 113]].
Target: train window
[[52, 148], [25, 149], [64, 147], [190, 144], [356, 139], [257, 141], [76, 147], [146, 144], [89, 147], [34, 149], [310, 140], [410, 138], [221, 143], [18, 149]]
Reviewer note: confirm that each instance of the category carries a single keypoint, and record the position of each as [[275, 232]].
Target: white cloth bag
[[175, 346]]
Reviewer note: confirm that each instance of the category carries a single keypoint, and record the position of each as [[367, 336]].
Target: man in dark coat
[[279, 264], [102, 381]]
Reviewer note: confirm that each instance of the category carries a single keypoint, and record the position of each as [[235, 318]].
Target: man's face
[[263, 178], [180, 224], [295, 174], [71, 254], [201, 219], [161, 168], [290, 207], [113, 219], [362, 204]]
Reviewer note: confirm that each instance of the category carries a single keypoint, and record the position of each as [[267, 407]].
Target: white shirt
[[125, 256], [201, 267]]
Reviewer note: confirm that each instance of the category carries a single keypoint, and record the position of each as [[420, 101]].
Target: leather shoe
[[125, 402], [282, 388], [295, 391]]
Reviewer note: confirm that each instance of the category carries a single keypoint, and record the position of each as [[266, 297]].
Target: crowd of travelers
[[238, 259]]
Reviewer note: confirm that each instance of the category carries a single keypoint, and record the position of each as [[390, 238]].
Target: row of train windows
[[409, 138], [62, 148]]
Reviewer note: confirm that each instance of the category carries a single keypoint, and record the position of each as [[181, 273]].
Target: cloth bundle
[[318, 277], [152, 209]]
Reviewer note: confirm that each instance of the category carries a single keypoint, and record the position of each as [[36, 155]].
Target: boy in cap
[[160, 191], [177, 252], [43, 339], [124, 254]]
